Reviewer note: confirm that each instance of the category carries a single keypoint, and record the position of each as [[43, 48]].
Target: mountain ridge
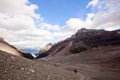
[[86, 39], [93, 53]]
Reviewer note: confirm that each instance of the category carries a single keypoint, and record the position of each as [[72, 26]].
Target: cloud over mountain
[[18, 24], [105, 15]]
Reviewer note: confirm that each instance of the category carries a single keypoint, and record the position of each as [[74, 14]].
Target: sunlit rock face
[[46, 48], [6, 47]]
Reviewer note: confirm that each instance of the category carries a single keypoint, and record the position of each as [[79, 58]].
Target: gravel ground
[[19, 68]]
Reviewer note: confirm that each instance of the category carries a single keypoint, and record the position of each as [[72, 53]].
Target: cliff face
[[6, 47]]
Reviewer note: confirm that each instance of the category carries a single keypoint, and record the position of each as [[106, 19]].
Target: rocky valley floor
[[73, 67], [19, 68], [102, 63]]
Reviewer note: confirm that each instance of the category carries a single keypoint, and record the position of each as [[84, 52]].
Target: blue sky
[[59, 11]]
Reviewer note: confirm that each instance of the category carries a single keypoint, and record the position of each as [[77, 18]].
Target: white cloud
[[92, 3], [107, 16], [75, 24], [50, 27], [17, 24], [109, 19], [18, 7], [62, 35]]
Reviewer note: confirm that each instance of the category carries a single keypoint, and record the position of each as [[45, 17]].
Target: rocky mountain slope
[[85, 39], [6, 47], [94, 53], [101, 63]]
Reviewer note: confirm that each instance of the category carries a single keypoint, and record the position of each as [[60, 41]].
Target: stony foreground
[[18, 68]]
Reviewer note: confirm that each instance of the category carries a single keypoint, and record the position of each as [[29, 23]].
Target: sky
[[58, 12], [35, 23]]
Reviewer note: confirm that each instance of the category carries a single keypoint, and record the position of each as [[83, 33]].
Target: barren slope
[[18, 68], [94, 53], [101, 63]]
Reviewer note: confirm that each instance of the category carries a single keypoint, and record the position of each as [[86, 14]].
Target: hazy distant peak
[[46, 48]]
